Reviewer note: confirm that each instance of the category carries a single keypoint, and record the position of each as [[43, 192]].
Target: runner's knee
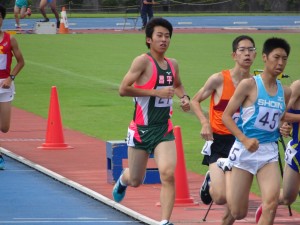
[[4, 129], [136, 182], [239, 214], [167, 176]]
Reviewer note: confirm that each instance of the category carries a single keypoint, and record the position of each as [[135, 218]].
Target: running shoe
[[2, 163], [119, 191], [258, 213], [17, 26], [204, 191], [224, 164], [168, 223], [45, 20], [28, 12]]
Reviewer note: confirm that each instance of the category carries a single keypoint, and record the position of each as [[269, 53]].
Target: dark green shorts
[[148, 137]]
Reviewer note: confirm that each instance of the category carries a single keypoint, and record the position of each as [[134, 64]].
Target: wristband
[[12, 77]]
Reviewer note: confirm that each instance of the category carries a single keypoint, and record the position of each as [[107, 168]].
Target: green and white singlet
[[151, 122]]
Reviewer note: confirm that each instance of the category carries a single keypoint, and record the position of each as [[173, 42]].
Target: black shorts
[[220, 148]]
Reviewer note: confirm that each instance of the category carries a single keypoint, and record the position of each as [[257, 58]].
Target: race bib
[[236, 117], [206, 150], [130, 135], [290, 152], [163, 102], [235, 153], [267, 119], [3, 61]]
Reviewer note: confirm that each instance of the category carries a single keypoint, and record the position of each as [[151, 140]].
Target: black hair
[[273, 43], [2, 11], [238, 39], [154, 22]]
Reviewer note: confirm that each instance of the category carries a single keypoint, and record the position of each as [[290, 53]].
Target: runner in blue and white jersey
[[262, 101]]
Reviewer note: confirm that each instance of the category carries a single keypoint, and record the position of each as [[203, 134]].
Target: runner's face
[[245, 54], [276, 61], [160, 39]]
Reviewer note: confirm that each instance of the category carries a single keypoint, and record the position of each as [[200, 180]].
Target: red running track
[[86, 165]]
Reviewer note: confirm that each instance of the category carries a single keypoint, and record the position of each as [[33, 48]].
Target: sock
[[124, 185]]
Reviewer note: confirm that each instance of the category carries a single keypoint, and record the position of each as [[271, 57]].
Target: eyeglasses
[[243, 49]]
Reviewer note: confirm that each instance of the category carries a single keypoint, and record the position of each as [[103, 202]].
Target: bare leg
[[227, 218], [291, 185], [16, 13], [23, 13], [239, 192], [268, 178], [165, 157], [43, 4], [5, 115], [217, 185], [53, 9], [137, 162]]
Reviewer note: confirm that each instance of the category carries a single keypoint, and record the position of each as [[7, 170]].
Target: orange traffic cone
[[54, 136], [64, 26], [182, 190]]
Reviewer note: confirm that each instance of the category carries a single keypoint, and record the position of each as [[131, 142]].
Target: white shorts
[[253, 161], [7, 94]]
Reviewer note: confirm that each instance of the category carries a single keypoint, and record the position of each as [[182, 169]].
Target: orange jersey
[[216, 110]]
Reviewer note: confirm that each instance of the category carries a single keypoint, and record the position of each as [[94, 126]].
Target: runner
[[262, 101]]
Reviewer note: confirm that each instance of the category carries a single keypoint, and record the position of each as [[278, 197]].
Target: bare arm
[[20, 62], [179, 89], [211, 85], [18, 55], [293, 103], [240, 96], [139, 71]]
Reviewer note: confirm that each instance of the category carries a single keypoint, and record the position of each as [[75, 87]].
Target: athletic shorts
[[292, 156], [253, 161], [220, 148], [7, 95], [21, 3], [148, 137]]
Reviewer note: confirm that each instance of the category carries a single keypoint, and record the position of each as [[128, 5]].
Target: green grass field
[[87, 70]]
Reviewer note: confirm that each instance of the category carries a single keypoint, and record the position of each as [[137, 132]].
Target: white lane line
[[185, 23], [240, 22], [21, 139], [122, 24], [65, 221], [70, 73], [75, 218], [73, 74]]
